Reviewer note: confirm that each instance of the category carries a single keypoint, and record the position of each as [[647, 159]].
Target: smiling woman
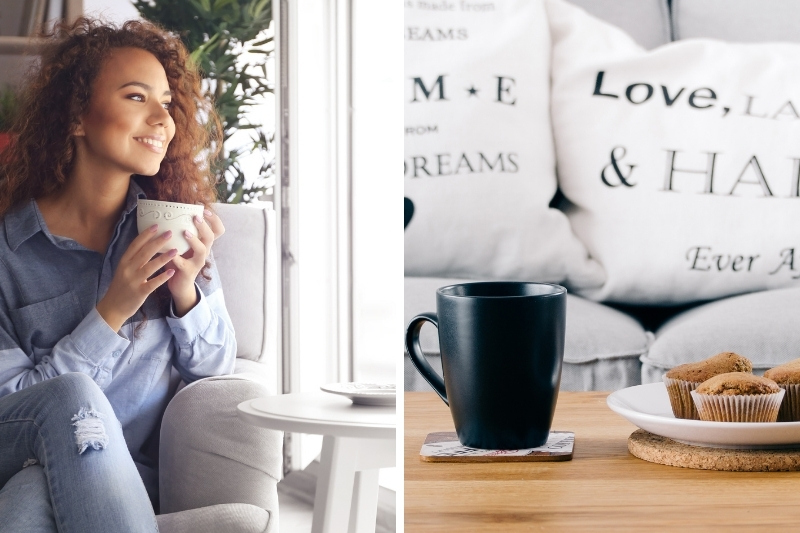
[[96, 327], [127, 125]]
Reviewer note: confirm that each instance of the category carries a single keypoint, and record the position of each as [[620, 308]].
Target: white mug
[[169, 216]]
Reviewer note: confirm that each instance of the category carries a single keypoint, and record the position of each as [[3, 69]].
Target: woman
[[96, 328]]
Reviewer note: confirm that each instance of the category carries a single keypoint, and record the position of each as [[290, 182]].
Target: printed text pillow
[[479, 161], [681, 164]]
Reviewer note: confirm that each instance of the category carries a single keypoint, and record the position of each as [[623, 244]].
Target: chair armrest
[[209, 456]]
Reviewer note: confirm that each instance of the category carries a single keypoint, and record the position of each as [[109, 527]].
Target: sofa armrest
[[209, 456]]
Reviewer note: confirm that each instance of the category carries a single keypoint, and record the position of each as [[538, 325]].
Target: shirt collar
[[26, 221], [134, 193], [22, 224]]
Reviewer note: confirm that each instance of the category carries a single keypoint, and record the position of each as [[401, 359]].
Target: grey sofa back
[[247, 263], [647, 21], [652, 23], [742, 21]]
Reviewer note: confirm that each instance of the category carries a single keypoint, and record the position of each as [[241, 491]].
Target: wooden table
[[602, 488]]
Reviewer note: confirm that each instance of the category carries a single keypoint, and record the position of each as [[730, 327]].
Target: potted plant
[[8, 104], [216, 32]]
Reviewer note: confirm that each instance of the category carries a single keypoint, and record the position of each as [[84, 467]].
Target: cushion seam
[[605, 357], [617, 355]]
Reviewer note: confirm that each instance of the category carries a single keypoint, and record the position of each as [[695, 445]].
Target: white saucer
[[647, 406], [365, 393]]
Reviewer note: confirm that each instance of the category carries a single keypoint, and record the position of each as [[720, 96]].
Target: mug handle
[[414, 351]]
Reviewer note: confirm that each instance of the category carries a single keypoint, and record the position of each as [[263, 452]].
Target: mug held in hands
[[172, 216], [502, 346]]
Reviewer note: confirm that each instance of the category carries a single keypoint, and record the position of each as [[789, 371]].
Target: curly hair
[[56, 92]]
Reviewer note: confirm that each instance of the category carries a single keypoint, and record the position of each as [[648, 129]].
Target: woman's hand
[[188, 266], [131, 284]]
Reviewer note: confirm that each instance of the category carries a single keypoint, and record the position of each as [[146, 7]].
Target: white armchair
[[217, 473]]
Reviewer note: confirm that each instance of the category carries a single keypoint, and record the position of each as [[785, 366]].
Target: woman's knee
[[25, 503], [32, 477], [77, 389], [76, 398]]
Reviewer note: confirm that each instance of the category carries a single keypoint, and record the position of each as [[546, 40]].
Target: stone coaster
[[664, 451], [443, 447]]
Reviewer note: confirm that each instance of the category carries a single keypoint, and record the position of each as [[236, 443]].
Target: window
[[338, 196]]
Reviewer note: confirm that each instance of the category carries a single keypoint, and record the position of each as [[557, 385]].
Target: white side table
[[358, 440]]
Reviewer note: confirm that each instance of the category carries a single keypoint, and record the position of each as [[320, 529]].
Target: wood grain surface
[[603, 488]]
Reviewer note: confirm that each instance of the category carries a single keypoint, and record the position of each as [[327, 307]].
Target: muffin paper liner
[[790, 407], [738, 408], [680, 398]]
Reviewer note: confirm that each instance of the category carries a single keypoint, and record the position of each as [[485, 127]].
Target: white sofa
[[218, 474]]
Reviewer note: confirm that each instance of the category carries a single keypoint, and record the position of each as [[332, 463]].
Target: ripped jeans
[[67, 429]]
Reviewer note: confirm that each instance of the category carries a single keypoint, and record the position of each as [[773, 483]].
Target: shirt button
[[116, 353]]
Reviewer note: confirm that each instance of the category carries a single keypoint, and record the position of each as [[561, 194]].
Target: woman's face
[[126, 128]]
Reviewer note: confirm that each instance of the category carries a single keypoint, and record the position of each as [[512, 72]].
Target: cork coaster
[[664, 451], [443, 447]]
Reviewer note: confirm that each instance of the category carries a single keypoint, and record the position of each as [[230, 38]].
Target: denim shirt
[[49, 325]]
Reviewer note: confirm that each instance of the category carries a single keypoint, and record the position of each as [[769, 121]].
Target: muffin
[[738, 397], [683, 379], [787, 376]]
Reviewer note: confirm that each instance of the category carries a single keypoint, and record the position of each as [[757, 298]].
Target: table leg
[[364, 510], [334, 492]]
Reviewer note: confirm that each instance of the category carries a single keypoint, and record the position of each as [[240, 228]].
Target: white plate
[[365, 393], [647, 406]]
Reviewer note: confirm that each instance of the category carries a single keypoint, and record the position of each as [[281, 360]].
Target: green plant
[[8, 106], [216, 32]]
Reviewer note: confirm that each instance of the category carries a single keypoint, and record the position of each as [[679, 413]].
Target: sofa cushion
[[209, 456], [761, 326], [601, 351], [737, 20], [601, 374], [479, 162], [245, 257], [680, 164], [230, 518]]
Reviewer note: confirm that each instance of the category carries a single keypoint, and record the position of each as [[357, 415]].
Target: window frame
[[324, 27]]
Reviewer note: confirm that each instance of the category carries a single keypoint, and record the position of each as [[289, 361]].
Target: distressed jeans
[[60, 439]]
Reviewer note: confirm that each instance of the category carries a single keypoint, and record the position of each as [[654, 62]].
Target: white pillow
[[637, 136], [479, 161]]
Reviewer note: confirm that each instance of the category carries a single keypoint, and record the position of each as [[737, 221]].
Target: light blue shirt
[[49, 325]]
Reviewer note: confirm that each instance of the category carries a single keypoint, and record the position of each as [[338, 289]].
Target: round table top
[[320, 413]]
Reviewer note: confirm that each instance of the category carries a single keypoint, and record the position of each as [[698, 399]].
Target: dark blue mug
[[502, 345]]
